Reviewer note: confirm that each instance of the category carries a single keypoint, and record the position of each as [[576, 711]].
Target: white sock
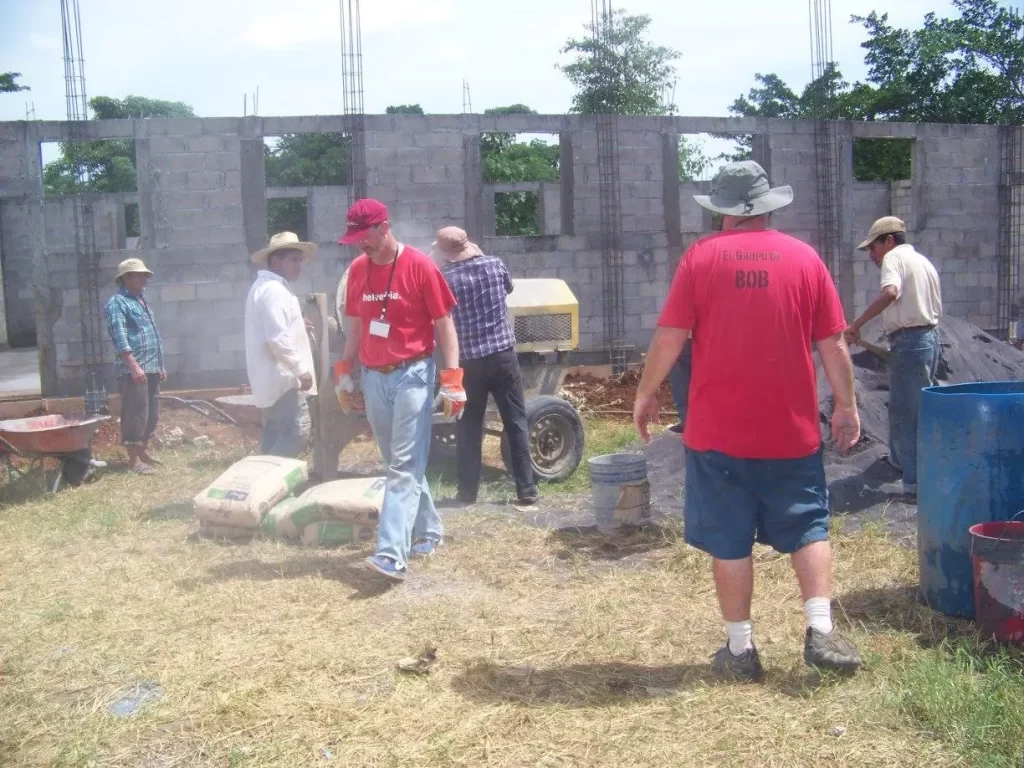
[[740, 634], [819, 614]]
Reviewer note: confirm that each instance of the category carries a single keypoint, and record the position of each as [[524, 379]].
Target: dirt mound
[[613, 397], [968, 354]]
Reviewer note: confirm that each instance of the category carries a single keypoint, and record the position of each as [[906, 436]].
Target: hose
[[200, 407]]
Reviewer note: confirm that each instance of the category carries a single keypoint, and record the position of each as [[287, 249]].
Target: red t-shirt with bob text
[[418, 296], [755, 302]]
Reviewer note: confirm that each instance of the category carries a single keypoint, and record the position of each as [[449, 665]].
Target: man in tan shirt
[[910, 304]]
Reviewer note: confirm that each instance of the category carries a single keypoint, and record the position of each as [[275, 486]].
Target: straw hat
[[742, 189], [284, 241], [129, 266]]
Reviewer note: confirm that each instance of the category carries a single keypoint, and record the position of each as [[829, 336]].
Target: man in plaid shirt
[[487, 349], [140, 361]]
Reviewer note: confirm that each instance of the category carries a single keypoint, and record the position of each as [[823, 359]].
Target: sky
[[209, 53]]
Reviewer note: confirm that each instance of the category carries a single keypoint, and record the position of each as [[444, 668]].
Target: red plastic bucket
[[997, 553]]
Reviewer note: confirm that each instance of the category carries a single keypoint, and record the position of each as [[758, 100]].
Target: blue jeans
[[399, 406], [286, 426], [912, 366], [679, 381]]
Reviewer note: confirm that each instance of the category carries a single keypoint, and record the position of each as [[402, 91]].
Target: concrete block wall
[[202, 203]]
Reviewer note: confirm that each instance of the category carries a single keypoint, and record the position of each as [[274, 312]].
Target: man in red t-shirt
[[396, 299], [755, 301]]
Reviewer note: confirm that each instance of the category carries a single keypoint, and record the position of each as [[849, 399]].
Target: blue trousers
[[286, 426], [399, 406], [912, 366]]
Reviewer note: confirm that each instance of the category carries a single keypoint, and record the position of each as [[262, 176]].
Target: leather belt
[[914, 328], [392, 367]]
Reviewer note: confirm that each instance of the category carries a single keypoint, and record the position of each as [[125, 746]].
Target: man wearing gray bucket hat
[[755, 301]]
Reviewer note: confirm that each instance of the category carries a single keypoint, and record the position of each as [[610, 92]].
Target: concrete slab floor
[[19, 374]]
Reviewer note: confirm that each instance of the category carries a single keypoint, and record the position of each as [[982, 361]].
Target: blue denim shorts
[[731, 503]]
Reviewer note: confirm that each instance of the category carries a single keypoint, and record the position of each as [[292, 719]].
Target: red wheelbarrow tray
[[53, 434]]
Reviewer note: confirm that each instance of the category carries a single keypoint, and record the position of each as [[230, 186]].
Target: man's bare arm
[[666, 346], [835, 357], [888, 295], [353, 335], [448, 341]]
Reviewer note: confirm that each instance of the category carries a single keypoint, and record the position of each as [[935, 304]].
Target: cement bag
[[288, 518], [354, 501], [248, 489], [336, 533]]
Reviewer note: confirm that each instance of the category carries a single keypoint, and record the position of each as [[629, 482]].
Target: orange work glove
[[349, 398], [452, 395]]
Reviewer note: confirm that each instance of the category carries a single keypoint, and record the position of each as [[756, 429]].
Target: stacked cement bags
[[332, 514], [238, 500]]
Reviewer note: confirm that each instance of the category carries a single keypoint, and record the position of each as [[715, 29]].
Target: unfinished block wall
[[202, 202]]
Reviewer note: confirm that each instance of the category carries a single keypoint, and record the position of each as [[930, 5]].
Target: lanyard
[[387, 291]]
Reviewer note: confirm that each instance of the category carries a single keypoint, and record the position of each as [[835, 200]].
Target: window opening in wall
[[132, 227], [288, 214], [307, 159], [517, 160], [517, 214], [701, 157], [882, 159], [76, 167]]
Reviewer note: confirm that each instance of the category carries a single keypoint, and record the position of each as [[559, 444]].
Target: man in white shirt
[[277, 352], [910, 304]]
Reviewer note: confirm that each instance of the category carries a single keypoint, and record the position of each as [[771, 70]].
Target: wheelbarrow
[[67, 440]]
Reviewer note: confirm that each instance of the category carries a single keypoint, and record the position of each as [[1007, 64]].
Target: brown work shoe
[[744, 668], [831, 651]]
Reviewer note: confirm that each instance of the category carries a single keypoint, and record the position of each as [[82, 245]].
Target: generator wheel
[[556, 439]]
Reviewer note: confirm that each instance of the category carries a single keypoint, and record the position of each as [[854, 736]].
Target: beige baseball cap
[[887, 225]]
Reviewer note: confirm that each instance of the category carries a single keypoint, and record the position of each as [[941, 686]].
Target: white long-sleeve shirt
[[277, 348]]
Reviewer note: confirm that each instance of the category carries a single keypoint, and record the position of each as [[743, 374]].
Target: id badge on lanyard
[[381, 328]]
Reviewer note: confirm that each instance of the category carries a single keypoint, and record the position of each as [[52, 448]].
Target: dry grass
[[554, 649]]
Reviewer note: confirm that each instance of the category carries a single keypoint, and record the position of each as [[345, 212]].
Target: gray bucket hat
[[742, 189]]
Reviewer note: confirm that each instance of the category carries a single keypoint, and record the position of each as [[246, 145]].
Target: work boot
[[831, 651], [744, 668]]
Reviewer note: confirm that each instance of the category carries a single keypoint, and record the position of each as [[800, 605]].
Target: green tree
[[404, 109], [507, 160], [968, 68], [616, 71], [9, 82], [304, 159]]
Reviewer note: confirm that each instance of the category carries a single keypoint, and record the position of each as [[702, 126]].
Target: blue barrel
[[621, 492], [970, 468]]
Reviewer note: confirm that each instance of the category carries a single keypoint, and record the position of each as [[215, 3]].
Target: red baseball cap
[[361, 216]]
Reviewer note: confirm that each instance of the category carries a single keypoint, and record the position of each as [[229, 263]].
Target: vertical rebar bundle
[[90, 310], [826, 144], [1011, 239], [610, 192], [352, 95]]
